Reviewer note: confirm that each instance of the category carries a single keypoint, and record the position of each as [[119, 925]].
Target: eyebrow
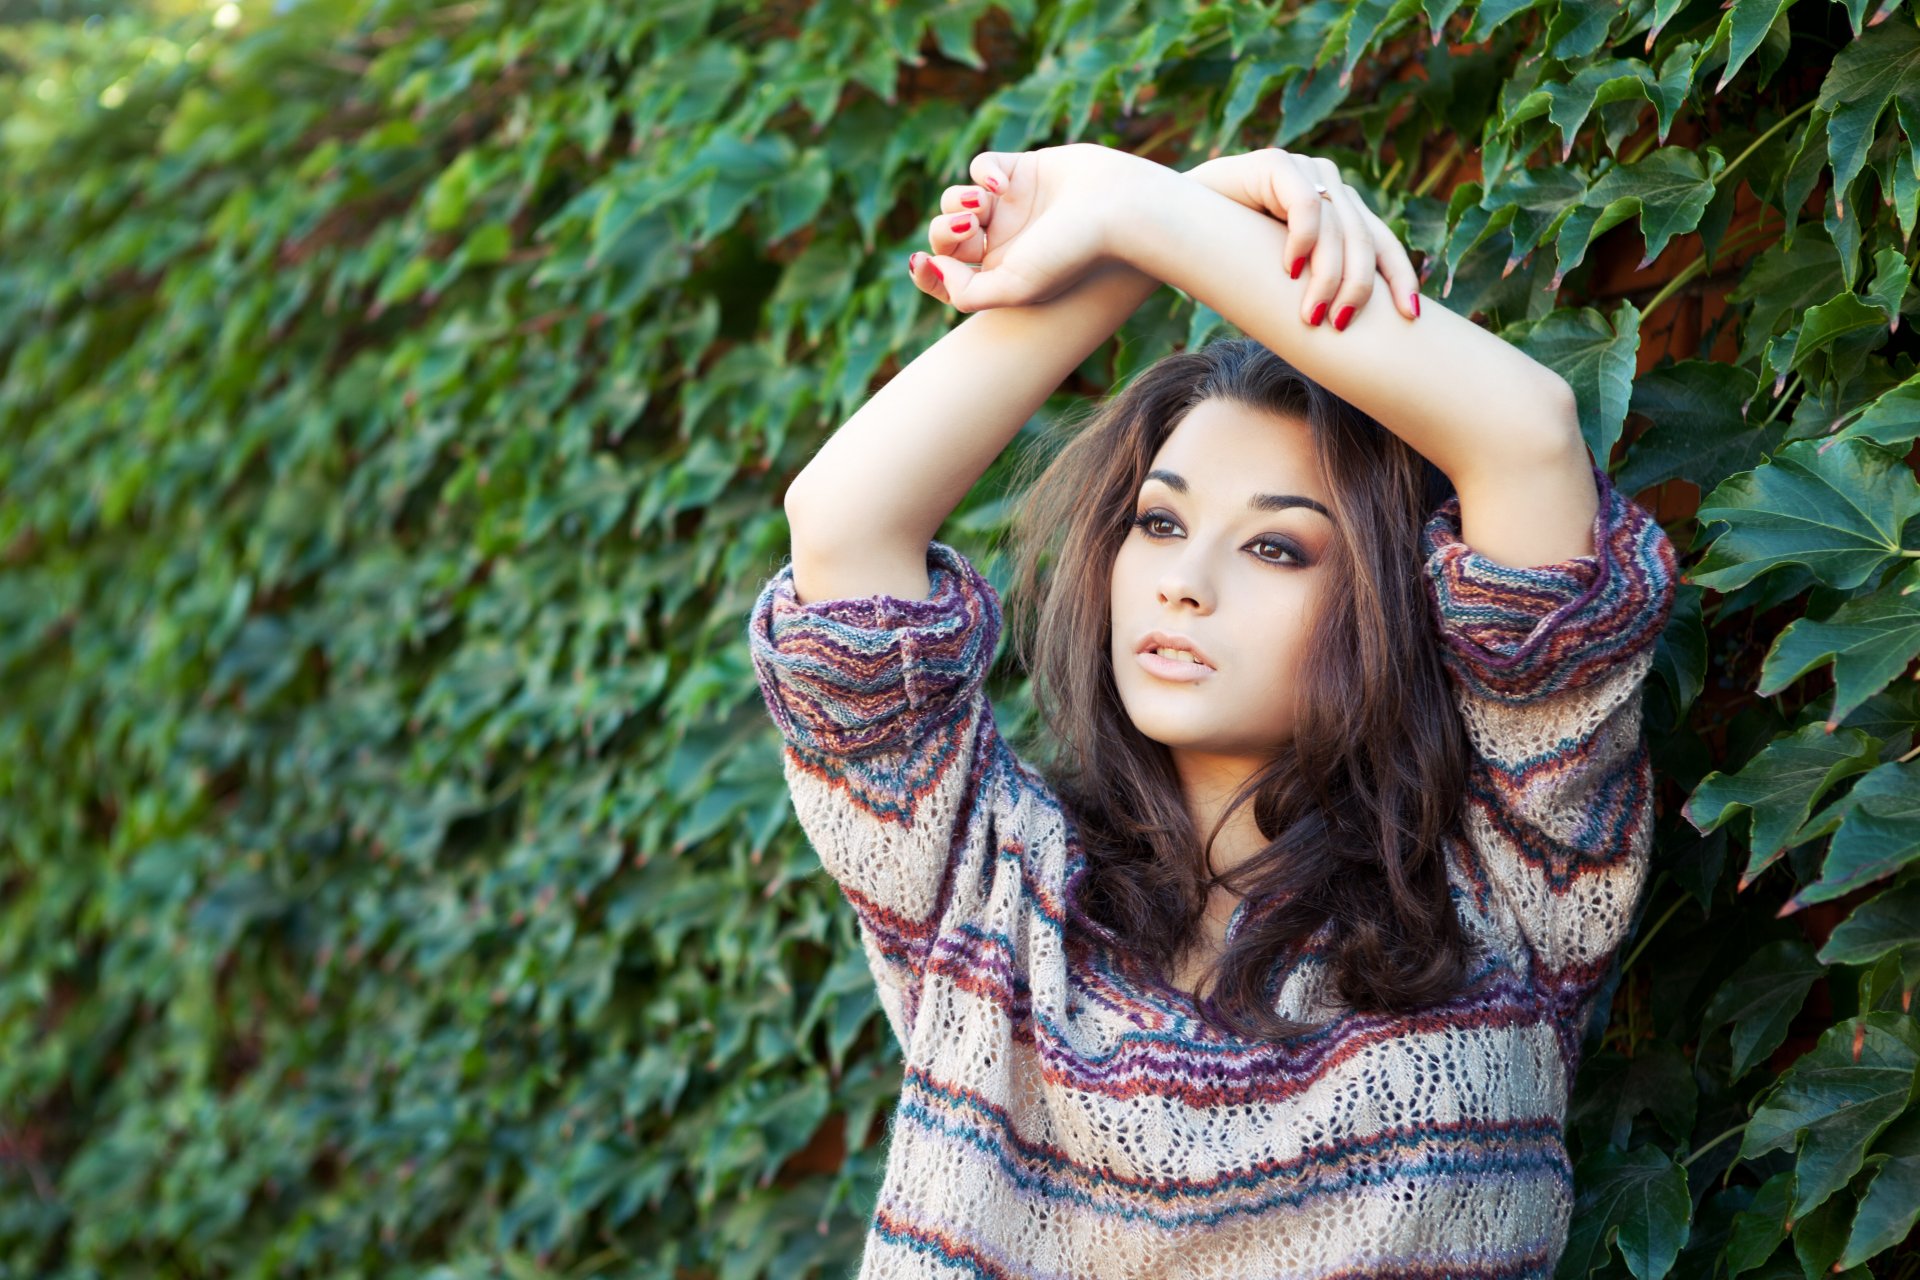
[[1258, 502]]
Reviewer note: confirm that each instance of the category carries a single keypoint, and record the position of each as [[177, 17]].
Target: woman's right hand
[[1043, 218], [1346, 243]]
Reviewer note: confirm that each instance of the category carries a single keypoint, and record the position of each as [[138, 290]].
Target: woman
[[1281, 966]]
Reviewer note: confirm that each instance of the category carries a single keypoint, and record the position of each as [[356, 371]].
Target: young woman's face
[[1230, 558]]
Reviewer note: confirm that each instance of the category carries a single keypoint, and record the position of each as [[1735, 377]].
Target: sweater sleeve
[[1547, 664], [882, 706]]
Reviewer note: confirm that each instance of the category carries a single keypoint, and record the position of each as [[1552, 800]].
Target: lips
[[1172, 640]]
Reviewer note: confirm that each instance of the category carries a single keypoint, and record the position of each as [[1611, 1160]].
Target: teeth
[[1177, 653]]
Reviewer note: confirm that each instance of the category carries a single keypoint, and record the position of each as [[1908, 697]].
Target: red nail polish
[[935, 267], [1319, 314], [1340, 321], [991, 185], [1416, 304], [913, 260], [970, 202], [1297, 264], [962, 226]]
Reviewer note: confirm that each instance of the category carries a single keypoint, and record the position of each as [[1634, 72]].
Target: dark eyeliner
[[1299, 561]]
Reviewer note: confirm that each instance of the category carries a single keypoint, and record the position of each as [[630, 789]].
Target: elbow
[[1559, 432], [799, 502], [1566, 405]]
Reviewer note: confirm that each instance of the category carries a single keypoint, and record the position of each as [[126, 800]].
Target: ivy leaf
[[1614, 1089], [1699, 433], [1569, 103], [1879, 925], [1866, 74], [797, 198], [1761, 998], [447, 199], [1745, 27], [1365, 21], [1892, 277], [1839, 513], [1579, 27], [1819, 1237], [1826, 325], [1538, 198], [1833, 1102], [1304, 103], [1668, 189], [1890, 1206], [1489, 14], [1891, 419], [1680, 654], [1636, 1199], [1596, 357], [1870, 640], [1779, 787], [1781, 283], [1879, 834], [1759, 1228]]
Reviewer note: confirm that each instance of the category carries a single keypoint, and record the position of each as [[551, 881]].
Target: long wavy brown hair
[[1356, 808]]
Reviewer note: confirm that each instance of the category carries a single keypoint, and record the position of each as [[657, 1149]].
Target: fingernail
[[962, 225], [935, 268], [913, 260], [971, 202], [1340, 321], [1319, 314], [1416, 303], [991, 183], [1297, 264]]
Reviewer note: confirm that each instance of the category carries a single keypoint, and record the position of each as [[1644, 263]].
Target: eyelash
[[1141, 522]]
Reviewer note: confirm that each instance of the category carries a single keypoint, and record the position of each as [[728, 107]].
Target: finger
[[967, 288], [957, 235], [1358, 259], [968, 198], [927, 275], [1394, 265], [994, 170], [1329, 251], [1291, 187]]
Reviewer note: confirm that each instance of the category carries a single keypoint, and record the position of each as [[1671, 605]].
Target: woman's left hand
[[1346, 243], [1048, 218]]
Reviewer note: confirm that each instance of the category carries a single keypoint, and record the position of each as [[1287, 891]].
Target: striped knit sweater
[[1065, 1114]]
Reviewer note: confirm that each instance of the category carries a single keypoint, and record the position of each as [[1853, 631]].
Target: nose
[[1182, 581]]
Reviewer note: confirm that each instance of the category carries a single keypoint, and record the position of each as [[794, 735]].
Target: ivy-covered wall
[[396, 874]]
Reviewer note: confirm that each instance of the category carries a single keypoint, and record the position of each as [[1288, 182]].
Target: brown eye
[[1282, 547], [1142, 523]]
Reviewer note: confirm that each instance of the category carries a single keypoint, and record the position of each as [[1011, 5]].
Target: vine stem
[[1645, 938], [1711, 1143], [1785, 395], [1695, 268], [1778, 125], [1441, 168]]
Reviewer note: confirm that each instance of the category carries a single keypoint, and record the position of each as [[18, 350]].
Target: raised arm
[[864, 509], [1501, 426]]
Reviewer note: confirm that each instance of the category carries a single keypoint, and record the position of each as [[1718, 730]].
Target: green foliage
[[395, 404]]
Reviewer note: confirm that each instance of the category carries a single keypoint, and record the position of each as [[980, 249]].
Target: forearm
[[1463, 397], [864, 508]]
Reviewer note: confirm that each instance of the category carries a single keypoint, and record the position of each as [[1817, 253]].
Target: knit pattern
[[1066, 1114]]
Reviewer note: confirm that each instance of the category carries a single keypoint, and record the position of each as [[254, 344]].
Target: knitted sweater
[[1065, 1114]]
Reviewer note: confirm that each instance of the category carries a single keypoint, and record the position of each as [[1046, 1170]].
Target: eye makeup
[[1146, 519]]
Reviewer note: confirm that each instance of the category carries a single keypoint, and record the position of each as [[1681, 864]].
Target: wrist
[[1155, 219], [1138, 206]]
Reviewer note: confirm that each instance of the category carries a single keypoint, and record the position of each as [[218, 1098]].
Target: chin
[[1169, 729]]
